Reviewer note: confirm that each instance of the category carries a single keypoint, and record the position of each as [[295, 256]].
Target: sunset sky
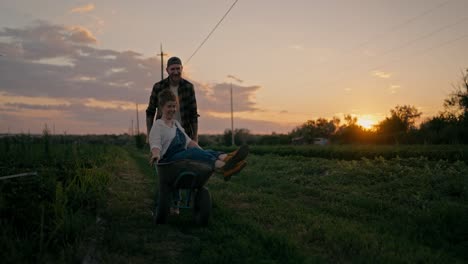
[[82, 66]]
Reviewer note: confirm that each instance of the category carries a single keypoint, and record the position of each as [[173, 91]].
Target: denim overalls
[[177, 151]]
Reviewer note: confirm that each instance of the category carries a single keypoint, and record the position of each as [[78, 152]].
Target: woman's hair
[[165, 96]]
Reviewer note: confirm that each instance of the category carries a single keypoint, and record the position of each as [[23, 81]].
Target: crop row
[[356, 152], [47, 216]]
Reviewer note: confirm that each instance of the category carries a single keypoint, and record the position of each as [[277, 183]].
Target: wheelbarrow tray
[[184, 174]]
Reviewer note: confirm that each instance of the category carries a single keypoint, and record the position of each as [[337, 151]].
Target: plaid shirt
[[187, 102]]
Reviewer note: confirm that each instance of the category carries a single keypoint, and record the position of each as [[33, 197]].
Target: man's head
[[174, 69]]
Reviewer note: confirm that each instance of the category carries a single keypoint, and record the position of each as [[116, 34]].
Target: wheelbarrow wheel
[[202, 206], [162, 206]]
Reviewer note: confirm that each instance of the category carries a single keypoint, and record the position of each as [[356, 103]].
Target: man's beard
[[175, 77]]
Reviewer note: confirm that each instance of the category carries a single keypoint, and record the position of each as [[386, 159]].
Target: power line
[[424, 51], [425, 36], [398, 26], [407, 43], [207, 37], [392, 29]]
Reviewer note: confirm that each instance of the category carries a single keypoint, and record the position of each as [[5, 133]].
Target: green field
[[283, 208]]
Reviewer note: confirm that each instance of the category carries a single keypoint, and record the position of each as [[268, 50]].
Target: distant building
[[298, 141], [317, 141], [321, 141]]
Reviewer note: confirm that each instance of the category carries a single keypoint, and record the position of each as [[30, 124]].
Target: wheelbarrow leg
[[164, 200], [202, 206]]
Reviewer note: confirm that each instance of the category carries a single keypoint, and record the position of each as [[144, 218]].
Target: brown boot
[[227, 173], [235, 157]]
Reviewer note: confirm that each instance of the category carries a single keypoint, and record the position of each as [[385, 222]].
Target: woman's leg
[[218, 154], [219, 164], [197, 154]]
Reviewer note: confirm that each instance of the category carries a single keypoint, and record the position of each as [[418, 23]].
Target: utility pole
[[162, 54], [232, 120], [138, 121], [232, 77]]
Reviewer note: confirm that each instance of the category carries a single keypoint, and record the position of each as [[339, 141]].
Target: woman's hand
[[193, 144], [154, 158]]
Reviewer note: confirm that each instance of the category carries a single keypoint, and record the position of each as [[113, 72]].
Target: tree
[[316, 128], [350, 120], [274, 139], [407, 115], [402, 119], [457, 103], [441, 129], [351, 132], [451, 125], [241, 136]]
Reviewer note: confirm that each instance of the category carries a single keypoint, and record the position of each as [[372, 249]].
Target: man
[[185, 92], [187, 114]]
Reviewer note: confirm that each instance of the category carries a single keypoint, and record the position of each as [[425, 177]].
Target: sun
[[366, 121]]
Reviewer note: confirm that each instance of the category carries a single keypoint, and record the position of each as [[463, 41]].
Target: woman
[[169, 142]]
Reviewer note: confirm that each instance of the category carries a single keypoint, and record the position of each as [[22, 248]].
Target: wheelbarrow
[[188, 175]]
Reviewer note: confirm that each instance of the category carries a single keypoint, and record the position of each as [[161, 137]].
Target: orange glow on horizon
[[283, 118], [367, 121]]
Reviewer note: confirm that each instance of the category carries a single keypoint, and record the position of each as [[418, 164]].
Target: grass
[[280, 209], [356, 152], [48, 217], [359, 211], [129, 234], [310, 210]]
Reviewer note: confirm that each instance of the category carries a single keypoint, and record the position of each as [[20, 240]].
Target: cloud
[[394, 88], [217, 97], [90, 116], [83, 9], [53, 73], [369, 53], [297, 47], [39, 101], [81, 35], [382, 74], [78, 117], [215, 125], [61, 62]]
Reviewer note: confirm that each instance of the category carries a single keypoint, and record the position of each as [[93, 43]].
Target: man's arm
[[151, 109], [194, 117], [149, 124], [195, 131]]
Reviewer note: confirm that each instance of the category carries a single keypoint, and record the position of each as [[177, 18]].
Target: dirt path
[[127, 233]]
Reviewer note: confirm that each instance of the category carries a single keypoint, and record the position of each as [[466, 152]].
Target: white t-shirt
[[161, 135]]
